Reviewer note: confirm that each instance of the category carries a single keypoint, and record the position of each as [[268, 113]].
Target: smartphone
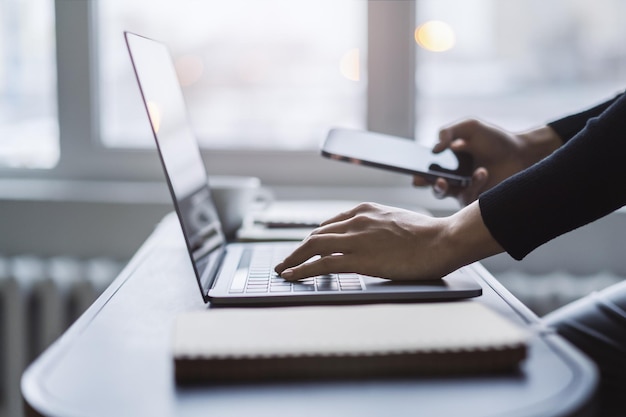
[[398, 154]]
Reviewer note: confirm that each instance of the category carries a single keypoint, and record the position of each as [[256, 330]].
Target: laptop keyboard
[[261, 277]]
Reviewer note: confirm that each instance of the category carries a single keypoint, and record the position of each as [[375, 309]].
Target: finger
[[446, 136], [480, 177], [440, 188], [419, 181], [336, 263], [348, 214], [467, 194], [344, 215], [455, 136], [321, 244], [460, 145], [334, 227]]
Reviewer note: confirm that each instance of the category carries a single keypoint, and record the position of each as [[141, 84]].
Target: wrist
[[538, 143], [467, 238]]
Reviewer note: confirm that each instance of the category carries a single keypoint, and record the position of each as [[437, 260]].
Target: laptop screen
[[179, 153]]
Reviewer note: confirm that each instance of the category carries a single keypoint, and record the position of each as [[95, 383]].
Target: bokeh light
[[435, 36], [350, 65], [155, 115]]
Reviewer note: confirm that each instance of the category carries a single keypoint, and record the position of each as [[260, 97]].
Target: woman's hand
[[498, 154], [392, 243]]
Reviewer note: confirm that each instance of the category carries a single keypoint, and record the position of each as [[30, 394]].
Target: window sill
[[97, 218]]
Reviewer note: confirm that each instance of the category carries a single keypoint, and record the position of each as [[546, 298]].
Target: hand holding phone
[[399, 155]]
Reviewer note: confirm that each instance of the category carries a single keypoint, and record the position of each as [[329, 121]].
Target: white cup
[[233, 197]]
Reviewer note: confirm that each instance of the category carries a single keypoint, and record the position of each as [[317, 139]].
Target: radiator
[[39, 299]]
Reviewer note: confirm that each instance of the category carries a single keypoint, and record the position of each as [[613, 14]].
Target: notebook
[[228, 345], [242, 273], [292, 219]]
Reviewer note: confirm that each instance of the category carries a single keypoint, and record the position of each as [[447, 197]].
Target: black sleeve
[[580, 182], [568, 126]]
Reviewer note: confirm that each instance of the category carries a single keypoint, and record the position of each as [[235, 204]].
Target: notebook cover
[[227, 345]]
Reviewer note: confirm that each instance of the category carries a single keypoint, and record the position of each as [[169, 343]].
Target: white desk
[[114, 361]]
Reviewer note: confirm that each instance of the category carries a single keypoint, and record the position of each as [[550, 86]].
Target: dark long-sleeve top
[[580, 182]]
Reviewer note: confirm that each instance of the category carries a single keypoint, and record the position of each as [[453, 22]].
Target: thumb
[[480, 177]]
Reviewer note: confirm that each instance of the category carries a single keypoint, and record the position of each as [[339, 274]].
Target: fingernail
[[287, 273], [438, 189], [481, 175]]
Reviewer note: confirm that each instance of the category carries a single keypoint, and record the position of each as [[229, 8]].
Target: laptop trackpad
[[456, 284]]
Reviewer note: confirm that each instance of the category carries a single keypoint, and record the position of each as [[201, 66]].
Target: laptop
[[242, 274]]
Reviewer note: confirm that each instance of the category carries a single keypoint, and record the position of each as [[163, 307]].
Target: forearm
[[538, 143], [567, 127], [575, 185]]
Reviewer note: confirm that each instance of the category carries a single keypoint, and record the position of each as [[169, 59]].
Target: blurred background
[[81, 186]]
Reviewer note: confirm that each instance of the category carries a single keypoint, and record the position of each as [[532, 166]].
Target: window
[[326, 71], [267, 74], [28, 122], [516, 63], [96, 142], [265, 79]]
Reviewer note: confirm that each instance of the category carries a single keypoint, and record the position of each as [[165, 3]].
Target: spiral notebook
[[228, 345]]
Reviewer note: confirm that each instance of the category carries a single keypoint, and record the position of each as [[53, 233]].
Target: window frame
[[390, 109]]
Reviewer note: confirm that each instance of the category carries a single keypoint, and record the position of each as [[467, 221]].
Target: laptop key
[[328, 287], [351, 288], [303, 287], [256, 290], [280, 288], [348, 279], [239, 282], [326, 278]]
